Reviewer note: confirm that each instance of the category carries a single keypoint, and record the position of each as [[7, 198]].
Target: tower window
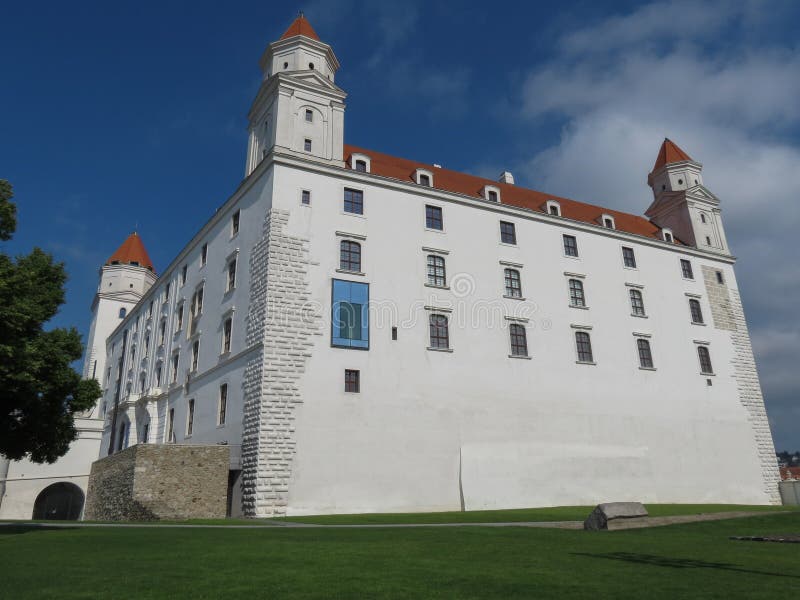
[[513, 284], [696, 311], [350, 256], [439, 332], [508, 233], [353, 201], [352, 381], [637, 303], [433, 217], [708, 240], [702, 218], [309, 115], [583, 345], [436, 271], [705, 360], [577, 297], [307, 145], [519, 340], [570, 246], [645, 354], [720, 279], [286, 65], [311, 66]]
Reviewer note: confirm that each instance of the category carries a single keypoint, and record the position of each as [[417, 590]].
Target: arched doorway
[[62, 501]]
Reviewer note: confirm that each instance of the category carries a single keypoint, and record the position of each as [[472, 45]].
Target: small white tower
[[124, 279], [298, 108], [682, 203]]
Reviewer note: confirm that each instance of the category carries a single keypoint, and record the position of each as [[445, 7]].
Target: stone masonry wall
[[148, 482], [282, 320], [728, 314]]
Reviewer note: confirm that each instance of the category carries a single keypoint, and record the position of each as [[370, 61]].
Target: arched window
[[645, 355], [513, 284], [576, 294], [705, 360], [440, 332], [697, 312], [350, 256], [519, 340], [122, 312], [583, 345], [637, 303], [436, 271]]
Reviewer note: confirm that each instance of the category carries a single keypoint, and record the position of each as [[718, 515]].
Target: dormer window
[[424, 177], [491, 193], [309, 115], [667, 235], [360, 162], [553, 208], [608, 222]]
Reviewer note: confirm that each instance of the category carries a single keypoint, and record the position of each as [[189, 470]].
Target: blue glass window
[[350, 314]]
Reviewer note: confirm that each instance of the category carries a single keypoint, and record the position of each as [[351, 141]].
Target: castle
[[368, 333]]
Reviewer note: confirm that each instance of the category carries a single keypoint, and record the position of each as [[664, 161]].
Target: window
[[309, 115], [162, 332], [146, 433], [696, 311], [197, 302], [554, 208], [142, 380], [171, 426], [150, 309], [583, 344], [628, 257], [190, 418], [668, 236], [686, 269], [433, 217], [158, 375], [350, 314], [513, 284], [645, 355], [492, 196], [361, 166], [350, 256], [705, 360], [394, 334], [231, 282], [708, 240], [305, 197], [179, 318], [436, 271], [307, 145], [121, 442], [702, 218], [227, 328], [720, 278], [147, 345], [195, 354], [123, 312], [608, 222], [203, 254], [508, 233], [519, 340], [352, 380], [223, 404], [425, 179], [175, 361], [166, 291], [353, 201], [235, 223], [577, 297], [570, 245], [637, 303], [439, 332], [183, 274]]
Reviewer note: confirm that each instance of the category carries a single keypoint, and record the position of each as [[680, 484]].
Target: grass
[[680, 561]]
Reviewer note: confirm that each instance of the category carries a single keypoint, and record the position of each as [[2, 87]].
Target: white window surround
[[556, 204], [667, 235], [582, 327], [358, 156], [491, 188], [606, 217], [638, 286], [641, 334], [419, 172]]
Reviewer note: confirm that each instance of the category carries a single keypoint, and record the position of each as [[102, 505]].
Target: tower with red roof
[[682, 204]]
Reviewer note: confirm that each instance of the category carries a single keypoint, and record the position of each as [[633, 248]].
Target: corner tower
[[682, 203], [298, 108], [124, 279]]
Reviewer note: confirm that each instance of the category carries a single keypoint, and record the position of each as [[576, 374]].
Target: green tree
[[39, 391]]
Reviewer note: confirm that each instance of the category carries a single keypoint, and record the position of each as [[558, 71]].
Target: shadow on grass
[[678, 563], [13, 529]]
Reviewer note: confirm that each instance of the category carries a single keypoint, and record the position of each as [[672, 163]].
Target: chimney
[[506, 177]]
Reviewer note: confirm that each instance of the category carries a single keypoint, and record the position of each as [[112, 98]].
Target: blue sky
[[123, 115]]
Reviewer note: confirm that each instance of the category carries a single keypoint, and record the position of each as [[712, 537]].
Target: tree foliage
[[39, 391]]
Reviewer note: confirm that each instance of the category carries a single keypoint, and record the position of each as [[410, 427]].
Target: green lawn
[[680, 561]]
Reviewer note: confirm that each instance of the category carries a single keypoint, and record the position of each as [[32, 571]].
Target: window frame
[[695, 302], [227, 334], [432, 218], [236, 218], [636, 299], [583, 345], [704, 358], [686, 265], [512, 276], [508, 231], [577, 292], [432, 268], [436, 339], [305, 197], [518, 339], [204, 254], [352, 381], [189, 418], [629, 258], [230, 273], [354, 193], [644, 351], [569, 244], [222, 405], [339, 341], [348, 249]]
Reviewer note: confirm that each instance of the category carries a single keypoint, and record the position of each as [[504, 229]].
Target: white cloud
[[623, 84]]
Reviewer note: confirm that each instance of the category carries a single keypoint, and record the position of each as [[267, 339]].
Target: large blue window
[[350, 314]]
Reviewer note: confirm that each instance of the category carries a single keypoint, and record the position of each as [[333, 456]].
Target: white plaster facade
[[469, 428]]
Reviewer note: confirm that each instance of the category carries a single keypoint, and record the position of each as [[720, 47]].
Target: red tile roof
[[669, 153], [131, 251], [790, 473], [301, 26], [470, 185]]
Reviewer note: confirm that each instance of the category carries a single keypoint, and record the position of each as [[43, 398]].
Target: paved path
[[616, 525]]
